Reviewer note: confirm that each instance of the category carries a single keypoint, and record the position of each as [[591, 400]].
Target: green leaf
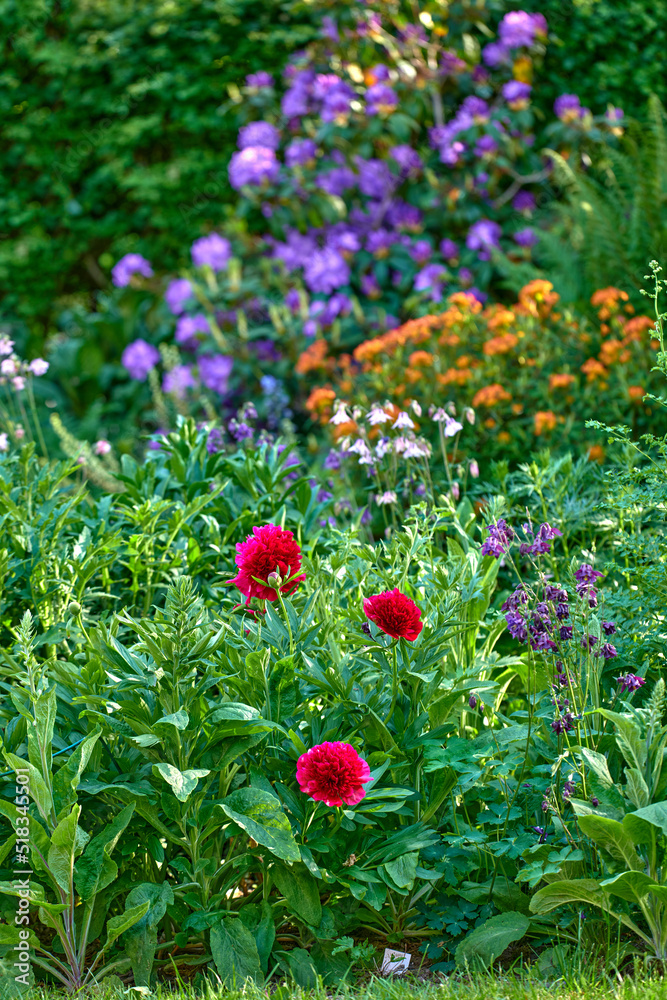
[[632, 886], [655, 814], [612, 837], [141, 939], [41, 734], [583, 890], [39, 790], [67, 842], [402, 870], [183, 783], [118, 925], [301, 968], [66, 780], [178, 719], [235, 953], [263, 818], [485, 943], [95, 870], [300, 890]]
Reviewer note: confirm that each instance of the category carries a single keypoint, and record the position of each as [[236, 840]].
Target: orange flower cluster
[[545, 421], [490, 395], [415, 331], [500, 345], [314, 358], [561, 380], [537, 298]]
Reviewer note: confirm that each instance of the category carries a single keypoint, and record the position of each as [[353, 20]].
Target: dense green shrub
[[114, 134], [604, 51]]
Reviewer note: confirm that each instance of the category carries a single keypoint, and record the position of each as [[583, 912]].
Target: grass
[[482, 987]]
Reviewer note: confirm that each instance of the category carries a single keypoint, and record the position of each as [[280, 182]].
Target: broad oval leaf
[[485, 943], [263, 818]]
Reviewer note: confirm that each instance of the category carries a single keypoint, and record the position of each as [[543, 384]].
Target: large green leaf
[[485, 943], [141, 939], [39, 790], [612, 837], [402, 870], [301, 967], [235, 953], [633, 886], [96, 870], [117, 925], [183, 783], [300, 890], [178, 719], [67, 842], [41, 734], [655, 814], [583, 890], [262, 816], [66, 780]]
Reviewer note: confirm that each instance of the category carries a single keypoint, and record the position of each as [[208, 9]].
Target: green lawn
[[512, 987]]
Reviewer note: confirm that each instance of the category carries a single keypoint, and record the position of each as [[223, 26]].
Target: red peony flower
[[333, 773], [395, 614], [268, 550]]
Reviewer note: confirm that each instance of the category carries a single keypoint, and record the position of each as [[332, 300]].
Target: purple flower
[[380, 98], [588, 641], [325, 271], [38, 367], [259, 80], [587, 575], [595, 802], [407, 158], [526, 237], [516, 626], [333, 461], [614, 115], [472, 701], [369, 286], [187, 329], [495, 54], [259, 134], [608, 628], [630, 683], [379, 73], [449, 249], [139, 358], [379, 241], [524, 201], [213, 250], [482, 236], [329, 29], [499, 539], [300, 152], [131, 263], [179, 380], [450, 63], [568, 789], [214, 441], [295, 102], [568, 108], [178, 293], [486, 146], [293, 300], [404, 216], [516, 91], [608, 651], [430, 279], [563, 725], [451, 153], [421, 251], [474, 110], [543, 538], [253, 166], [337, 181], [518, 28], [566, 632], [214, 371], [239, 431], [375, 179]]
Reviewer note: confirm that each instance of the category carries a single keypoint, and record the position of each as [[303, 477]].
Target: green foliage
[[114, 137], [611, 219], [603, 51]]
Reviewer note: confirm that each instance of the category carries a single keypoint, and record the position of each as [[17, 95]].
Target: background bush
[[114, 136]]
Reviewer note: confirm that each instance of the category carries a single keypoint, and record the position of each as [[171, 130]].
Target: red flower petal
[[333, 773], [395, 614]]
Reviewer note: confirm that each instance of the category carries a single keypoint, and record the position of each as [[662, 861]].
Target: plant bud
[[74, 609]]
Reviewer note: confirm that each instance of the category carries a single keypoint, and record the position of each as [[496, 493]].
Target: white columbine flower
[[416, 449], [452, 427], [416, 408], [439, 416], [403, 421], [6, 346], [383, 447], [39, 367], [4, 442], [8, 367], [376, 415], [340, 416], [474, 469], [389, 496]]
